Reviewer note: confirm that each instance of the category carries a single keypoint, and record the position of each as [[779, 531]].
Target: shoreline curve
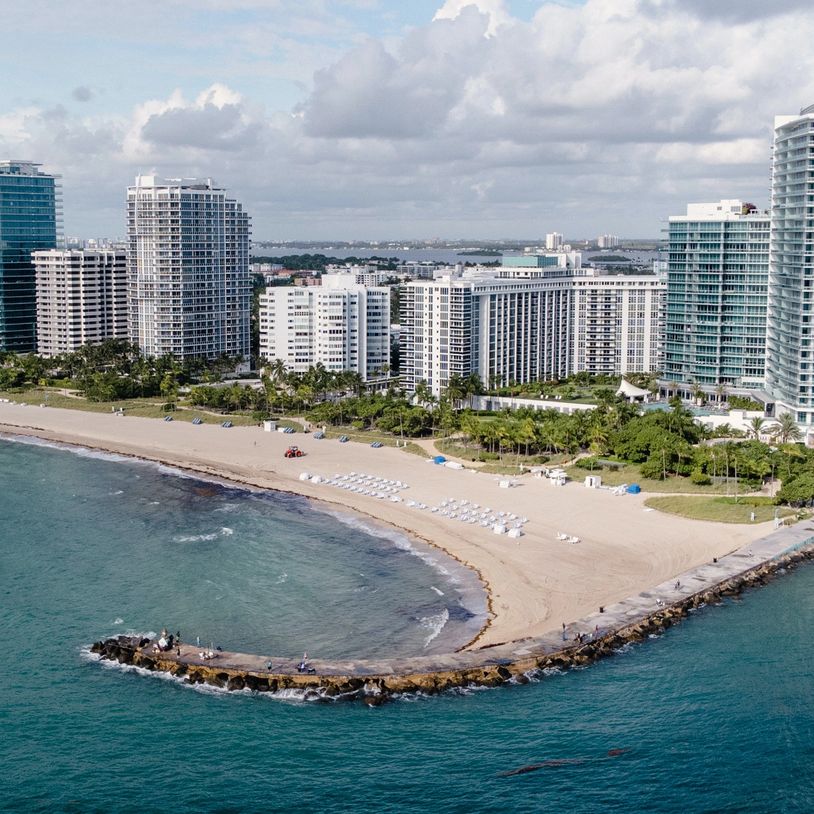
[[377, 681], [535, 583]]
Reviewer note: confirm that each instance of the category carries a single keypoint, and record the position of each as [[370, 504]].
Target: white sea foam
[[281, 579], [195, 538], [439, 592], [290, 695], [118, 621], [83, 452], [399, 540], [435, 624], [227, 532]]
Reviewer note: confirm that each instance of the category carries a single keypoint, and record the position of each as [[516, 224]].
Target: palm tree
[[474, 386], [423, 394], [720, 393], [787, 429], [756, 425], [526, 433], [456, 390], [470, 426], [277, 371]]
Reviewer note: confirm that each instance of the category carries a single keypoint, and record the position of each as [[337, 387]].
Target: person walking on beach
[[564, 634]]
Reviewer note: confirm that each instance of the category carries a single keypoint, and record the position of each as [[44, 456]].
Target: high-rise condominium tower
[[717, 280], [81, 298], [339, 324], [189, 287], [536, 317], [29, 220], [790, 331]]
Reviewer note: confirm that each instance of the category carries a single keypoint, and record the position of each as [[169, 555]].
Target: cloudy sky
[[376, 119]]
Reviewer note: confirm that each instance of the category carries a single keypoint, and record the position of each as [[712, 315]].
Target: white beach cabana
[[632, 393]]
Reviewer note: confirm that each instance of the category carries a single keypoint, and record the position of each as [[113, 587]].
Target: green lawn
[[629, 473], [144, 408], [719, 509], [511, 461], [369, 436]]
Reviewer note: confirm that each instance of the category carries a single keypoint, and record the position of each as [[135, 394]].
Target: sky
[[407, 119]]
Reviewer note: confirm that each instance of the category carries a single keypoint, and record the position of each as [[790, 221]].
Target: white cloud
[[218, 119], [607, 116], [494, 10]]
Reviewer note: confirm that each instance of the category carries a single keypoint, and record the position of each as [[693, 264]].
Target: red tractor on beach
[[294, 452]]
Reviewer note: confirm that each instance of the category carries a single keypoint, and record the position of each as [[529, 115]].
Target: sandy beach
[[535, 583]]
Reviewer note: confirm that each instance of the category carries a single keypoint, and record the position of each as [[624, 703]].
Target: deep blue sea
[[717, 714]]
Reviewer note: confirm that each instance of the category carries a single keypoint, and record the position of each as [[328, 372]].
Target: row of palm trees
[[783, 429]]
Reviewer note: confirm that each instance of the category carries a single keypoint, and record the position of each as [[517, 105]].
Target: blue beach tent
[[439, 459], [634, 489]]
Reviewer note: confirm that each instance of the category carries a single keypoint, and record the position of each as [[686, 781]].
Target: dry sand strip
[[535, 583]]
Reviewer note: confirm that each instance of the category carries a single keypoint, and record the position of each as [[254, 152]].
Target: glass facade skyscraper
[[717, 281], [29, 220], [790, 354]]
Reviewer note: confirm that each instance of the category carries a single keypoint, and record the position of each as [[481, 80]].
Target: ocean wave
[[290, 695], [82, 452], [435, 624], [399, 540], [195, 538]]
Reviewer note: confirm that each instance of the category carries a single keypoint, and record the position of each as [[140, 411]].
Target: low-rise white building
[[81, 298], [367, 275], [340, 324]]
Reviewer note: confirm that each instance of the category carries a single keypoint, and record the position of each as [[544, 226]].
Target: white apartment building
[[189, 286], [340, 324], [607, 242], [81, 298], [367, 275], [553, 241], [526, 322], [618, 324]]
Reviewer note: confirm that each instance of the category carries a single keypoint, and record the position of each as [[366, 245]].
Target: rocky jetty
[[376, 681]]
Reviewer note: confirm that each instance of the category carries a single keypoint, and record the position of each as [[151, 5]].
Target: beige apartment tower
[[81, 298]]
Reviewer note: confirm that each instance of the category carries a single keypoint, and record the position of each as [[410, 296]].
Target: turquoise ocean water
[[717, 715]]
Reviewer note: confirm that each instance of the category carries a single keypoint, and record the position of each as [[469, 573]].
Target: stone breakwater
[[375, 681]]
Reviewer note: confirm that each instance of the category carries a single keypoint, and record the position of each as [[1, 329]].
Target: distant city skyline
[[379, 120]]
